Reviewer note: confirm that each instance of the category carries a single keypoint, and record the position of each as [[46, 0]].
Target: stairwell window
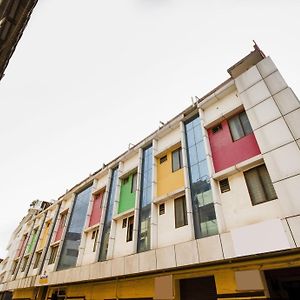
[[239, 126], [259, 185]]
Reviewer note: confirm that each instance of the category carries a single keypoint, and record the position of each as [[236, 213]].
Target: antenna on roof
[[256, 47], [193, 102]]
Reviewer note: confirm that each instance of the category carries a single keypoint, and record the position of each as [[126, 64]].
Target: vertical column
[[211, 171], [154, 212], [187, 186]]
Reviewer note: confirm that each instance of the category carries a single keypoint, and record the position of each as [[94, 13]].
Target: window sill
[[240, 167], [91, 228], [174, 194], [123, 214]]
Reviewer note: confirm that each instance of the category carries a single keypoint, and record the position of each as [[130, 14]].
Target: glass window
[[239, 126], [73, 235], [203, 211], [95, 240], [25, 261], [129, 235], [145, 201], [259, 185], [108, 216], [37, 259], [134, 183], [53, 253], [161, 209], [176, 160], [180, 212]]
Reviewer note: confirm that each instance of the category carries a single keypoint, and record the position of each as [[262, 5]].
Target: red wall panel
[[96, 210], [226, 152], [60, 227]]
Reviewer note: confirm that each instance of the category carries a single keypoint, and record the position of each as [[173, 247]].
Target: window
[[14, 267], [162, 209], [37, 259], [176, 160], [129, 235], [53, 254], [180, 212], [224, 185], [163, 159], [94, 234], [239, 126], [95, 239], [259, 185], [124, 223], [134, 183], [25, 261], [125, 180]]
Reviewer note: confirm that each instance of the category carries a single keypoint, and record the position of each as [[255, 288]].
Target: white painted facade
[[244, 229]]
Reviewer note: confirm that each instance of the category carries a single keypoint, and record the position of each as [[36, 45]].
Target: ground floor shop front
[[272, 276]]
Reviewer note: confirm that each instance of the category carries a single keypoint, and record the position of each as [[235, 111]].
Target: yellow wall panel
[[45, 233], [168, 181], [24, 293]]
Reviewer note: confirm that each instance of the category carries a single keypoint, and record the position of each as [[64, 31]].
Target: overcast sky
[[90, 77]]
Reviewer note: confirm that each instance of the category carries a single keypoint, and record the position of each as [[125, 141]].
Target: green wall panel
[[127, 198]]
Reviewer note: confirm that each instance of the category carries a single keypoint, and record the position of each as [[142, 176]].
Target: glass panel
[[203, 168], [245, 123], [108, 215], [190, 138], [175, 160], [69, 253], [267, 183], [200, 151], [180, 212], [195, 174], [145, 202], [236, 128], [198, 133], [203, 209], [134, 182], [193, 156]]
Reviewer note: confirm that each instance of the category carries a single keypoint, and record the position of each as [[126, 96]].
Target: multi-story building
[[14, 16], [206, 207]]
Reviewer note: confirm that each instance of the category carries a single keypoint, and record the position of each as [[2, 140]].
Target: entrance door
[[203, 288], [284, 283]]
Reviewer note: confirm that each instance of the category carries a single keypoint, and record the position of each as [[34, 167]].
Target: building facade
[[206, 207]]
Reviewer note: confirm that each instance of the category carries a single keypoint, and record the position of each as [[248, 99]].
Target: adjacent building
[[14, 16], [206, 207]]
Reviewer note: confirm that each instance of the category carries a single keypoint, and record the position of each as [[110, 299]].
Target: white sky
[[90, 77]]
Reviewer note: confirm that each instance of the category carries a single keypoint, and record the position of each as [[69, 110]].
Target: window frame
[[262, 186], [180, 162], [133, 187], [180, 209], [37, 259], [238, 117], [129, 233], [53, 254], [161, 209]]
